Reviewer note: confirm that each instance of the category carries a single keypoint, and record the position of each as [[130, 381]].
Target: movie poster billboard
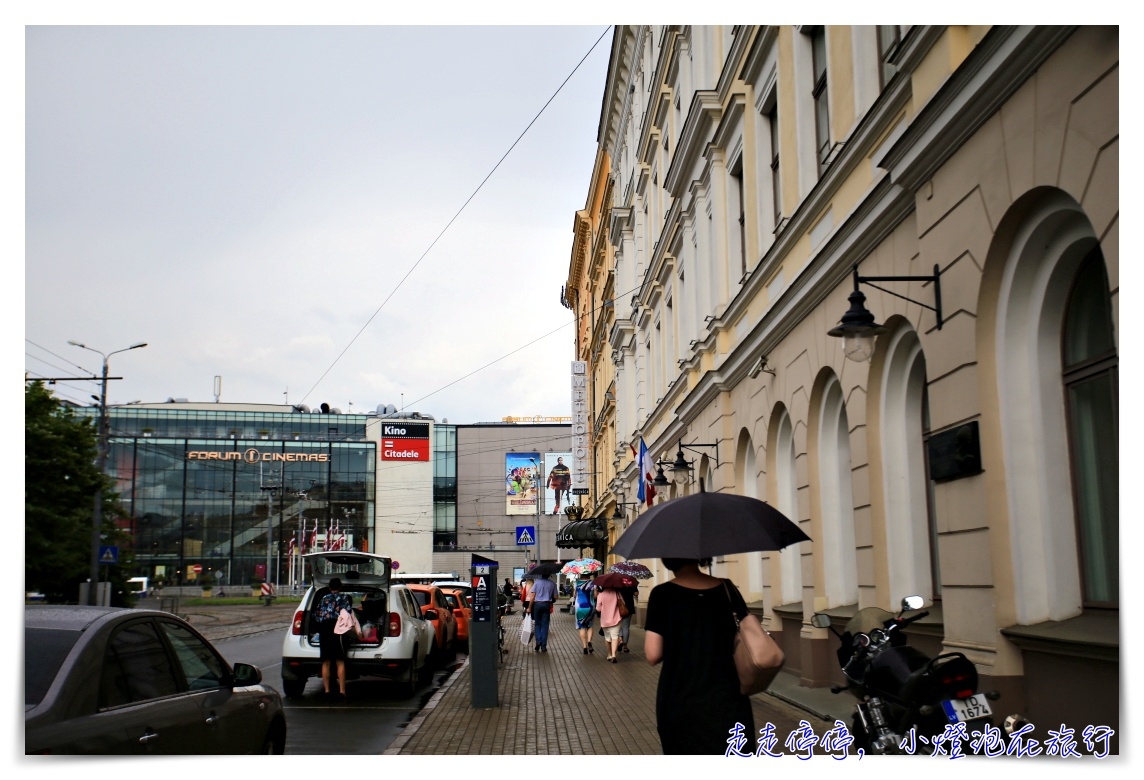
[[557, 482], [522, 478]]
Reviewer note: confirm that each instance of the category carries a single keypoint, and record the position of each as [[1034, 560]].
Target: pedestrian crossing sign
[[108, 553], [525, 535]]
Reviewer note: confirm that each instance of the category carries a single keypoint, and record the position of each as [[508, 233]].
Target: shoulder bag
[[622, 606], [758, 658]]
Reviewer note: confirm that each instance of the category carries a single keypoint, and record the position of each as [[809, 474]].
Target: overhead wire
[[454, 219]]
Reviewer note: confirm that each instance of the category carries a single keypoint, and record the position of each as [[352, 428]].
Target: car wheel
[[274, 744], [414, 681], [293, 688]]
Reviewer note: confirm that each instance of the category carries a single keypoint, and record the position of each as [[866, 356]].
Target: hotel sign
[[580, 465], [253, 455]]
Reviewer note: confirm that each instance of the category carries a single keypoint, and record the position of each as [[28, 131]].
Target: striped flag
[[646, 467]]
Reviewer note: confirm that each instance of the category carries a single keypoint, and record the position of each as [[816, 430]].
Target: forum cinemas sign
[[253, 455], [405, 441]]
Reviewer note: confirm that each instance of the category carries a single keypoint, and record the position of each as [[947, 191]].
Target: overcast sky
[[248, 200]]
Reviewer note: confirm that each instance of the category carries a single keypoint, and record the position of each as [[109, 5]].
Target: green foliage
[[60, 482]]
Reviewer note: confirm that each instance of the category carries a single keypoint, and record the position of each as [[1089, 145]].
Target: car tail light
[[394, 624], [296, 628]]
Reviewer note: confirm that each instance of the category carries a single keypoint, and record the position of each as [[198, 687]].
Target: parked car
[[139, 681], [396, 637], [462, 611], [436, 608]]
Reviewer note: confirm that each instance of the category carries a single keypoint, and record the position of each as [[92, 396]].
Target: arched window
[[786, 501], [1090, 373], [836, 497]]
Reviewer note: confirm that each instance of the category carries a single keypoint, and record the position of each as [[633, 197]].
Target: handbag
[[526, 630], [622, 606], [758, 658]]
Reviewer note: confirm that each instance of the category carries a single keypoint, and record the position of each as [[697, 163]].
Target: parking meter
[[484, 651]]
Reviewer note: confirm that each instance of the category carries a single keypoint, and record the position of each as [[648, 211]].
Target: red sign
[[395, 565], [197, 568], [405, 449]]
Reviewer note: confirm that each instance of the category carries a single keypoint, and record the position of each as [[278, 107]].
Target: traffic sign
[[395, 565], [197, 568], [108, 553], [525, 535]]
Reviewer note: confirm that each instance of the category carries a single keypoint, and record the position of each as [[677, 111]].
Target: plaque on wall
[[955, 453]]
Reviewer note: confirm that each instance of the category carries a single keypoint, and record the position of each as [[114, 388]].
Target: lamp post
[[538, 493], [100, 465]]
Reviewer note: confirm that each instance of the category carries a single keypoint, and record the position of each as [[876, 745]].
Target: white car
[[396, 636]]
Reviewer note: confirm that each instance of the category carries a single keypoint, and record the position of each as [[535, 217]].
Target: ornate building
[[753, 183]]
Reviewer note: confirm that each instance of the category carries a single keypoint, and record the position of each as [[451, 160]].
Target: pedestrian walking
[[607, 607], [629, 595], [525, 592], [542, 596], [585, 597], [691, 630], [332, 648]]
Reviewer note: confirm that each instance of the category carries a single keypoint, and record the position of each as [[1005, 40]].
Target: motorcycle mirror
[[819, 620], [912, 602]]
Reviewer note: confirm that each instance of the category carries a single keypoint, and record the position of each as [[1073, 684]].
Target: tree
[[60, 481]]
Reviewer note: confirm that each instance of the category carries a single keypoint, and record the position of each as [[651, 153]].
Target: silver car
[[138, 682], [396, 637]]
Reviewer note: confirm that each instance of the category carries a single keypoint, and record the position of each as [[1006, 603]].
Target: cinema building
[[230, 494]]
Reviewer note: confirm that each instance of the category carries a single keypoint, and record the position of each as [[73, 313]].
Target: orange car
[[435, 607], [459, 602]]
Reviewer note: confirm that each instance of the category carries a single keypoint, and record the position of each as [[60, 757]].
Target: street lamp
[[539, 493], [100, 464], [858, 327]]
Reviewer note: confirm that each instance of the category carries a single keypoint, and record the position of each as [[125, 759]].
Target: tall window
[[776, 187], [737, 179], [1091, 397], [821, 105], [889, 40]]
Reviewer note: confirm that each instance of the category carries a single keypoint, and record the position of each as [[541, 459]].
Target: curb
[[414, 726]]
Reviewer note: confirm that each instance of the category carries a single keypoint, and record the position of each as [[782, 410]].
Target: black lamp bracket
[[936, 279], [693, 445]]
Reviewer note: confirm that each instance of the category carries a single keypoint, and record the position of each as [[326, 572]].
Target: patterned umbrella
[[632, 569], [581, 566]]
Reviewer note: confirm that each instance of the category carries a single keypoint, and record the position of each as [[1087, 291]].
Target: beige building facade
[[967, 178]]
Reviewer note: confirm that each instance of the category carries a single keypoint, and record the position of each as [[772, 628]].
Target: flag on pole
[[646, 467], [313, 545]]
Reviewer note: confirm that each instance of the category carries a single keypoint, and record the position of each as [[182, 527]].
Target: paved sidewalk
[[565, 703], [556, 703]]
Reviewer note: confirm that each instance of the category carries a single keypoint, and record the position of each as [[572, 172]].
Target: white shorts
[[612, 632]]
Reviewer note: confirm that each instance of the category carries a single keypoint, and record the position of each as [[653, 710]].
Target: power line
[[454, 219]]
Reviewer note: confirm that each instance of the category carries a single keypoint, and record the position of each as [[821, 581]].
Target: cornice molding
[[994, 70]]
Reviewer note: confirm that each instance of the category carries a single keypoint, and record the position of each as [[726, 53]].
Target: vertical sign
[[579, 428]]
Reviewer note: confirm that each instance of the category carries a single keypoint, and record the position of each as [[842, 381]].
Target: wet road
[[375, 714]]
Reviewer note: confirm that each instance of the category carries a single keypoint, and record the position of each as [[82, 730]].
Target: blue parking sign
[[525, 535]]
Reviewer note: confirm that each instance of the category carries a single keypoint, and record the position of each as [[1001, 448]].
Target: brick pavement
[[564, 703]]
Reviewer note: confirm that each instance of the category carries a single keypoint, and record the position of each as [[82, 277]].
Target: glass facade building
[[228, 496]]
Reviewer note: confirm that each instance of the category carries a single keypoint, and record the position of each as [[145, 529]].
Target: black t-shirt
[[698, 700]]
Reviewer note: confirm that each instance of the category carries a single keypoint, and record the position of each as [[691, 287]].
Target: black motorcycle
[[906, 700]]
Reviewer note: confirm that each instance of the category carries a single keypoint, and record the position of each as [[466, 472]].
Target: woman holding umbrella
[[691, 631], [585, 596]]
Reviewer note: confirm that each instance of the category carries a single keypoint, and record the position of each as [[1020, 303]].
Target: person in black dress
[[691, 630]]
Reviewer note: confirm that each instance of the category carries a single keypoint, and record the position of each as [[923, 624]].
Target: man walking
[[540, 607]]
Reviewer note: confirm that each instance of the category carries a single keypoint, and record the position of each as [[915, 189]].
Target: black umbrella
[[704, 525], [543, 570]]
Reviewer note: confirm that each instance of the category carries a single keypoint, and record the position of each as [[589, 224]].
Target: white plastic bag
[[526, 630]]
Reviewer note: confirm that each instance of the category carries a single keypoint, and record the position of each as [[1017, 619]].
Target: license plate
[[963, 710]]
